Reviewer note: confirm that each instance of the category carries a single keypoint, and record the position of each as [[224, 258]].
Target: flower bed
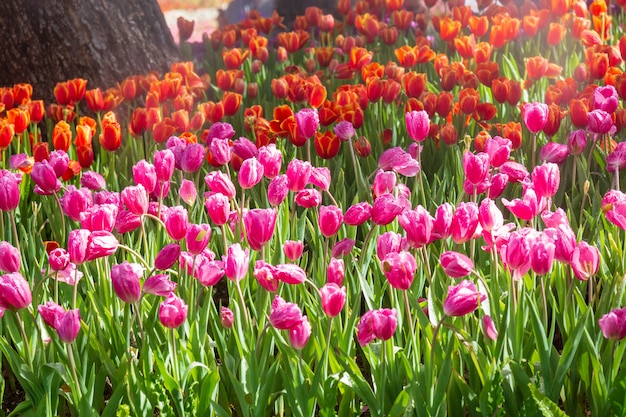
[[386, 213]]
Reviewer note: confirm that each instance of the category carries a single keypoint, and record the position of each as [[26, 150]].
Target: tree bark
[[102, 41]]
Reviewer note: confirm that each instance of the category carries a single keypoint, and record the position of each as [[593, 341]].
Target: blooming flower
[[284, 315], [374, 324], [613, 324], [455, 264], [125, 278], [259, 225], [172, 311], [462, 299]]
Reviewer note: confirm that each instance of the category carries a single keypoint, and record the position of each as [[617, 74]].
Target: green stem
[[29, 358], [14, 227], [70, 355], [174, 355]]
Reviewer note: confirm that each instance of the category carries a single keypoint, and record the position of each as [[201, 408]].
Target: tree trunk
[[102, 41]]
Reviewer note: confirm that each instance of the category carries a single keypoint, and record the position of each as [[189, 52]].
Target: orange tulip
[[359, 57], [536, 67], [602, 22], [447, 134], [6, 97], [185, 28], [323, 56], [343, 7], [289, 40], [162, 130], [36, 111], [402, 19], [598, 7], [226, 79], [41, 151], [465, 46], [598, 64], [327, 144], [389, 35], [234, 58], [22, 93], [85, 156], [468, 100], [94, 100], [6, 134], [486, 111], [500, 89], [479, 25], [513, 132], [77, 88], [443, 106], [128, 88], [61, 136], [578, 109], [449, 29], [111, 136], [555, 115], [111, 99], [561, 7], [556, 34], [407, 56], [317, 95], [413, 104], [231, 102], [19, 118], [462, 14], [530, 25], [328, 113], [391, 91], [229, 38], [181, 120], [448, 78], [487, 72], [483, 52], [368, 26], [62, 93], [414, 83], [372, 70], [84, 135]]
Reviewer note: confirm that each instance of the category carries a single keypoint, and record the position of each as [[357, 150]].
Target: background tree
[[102, 41]]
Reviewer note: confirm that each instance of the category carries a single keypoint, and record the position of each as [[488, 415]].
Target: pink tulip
[[58, 259], [498, 184], [464, 222], [400, 161], [605, 98], [329, 220], [250, 173], [577, 142], [333, 299], [374, 324], [221, 130], [284, 315], [176, 222], [384, 182], [192, 158], [75, 201], [298, 173], [478, 189], [172, 312], [462, 299], [9, 190], [187, 192], [101, 244], [535, 116], [599, 121], [476, 167], [613, 324], [59, 161], [218, 207], [554, 219], [93, 181], [164, 164], [320, 177], [144, 173], [336, 271], [358, 214], [489, 328], [14, 292], [219, 182], [516, 253], [293, 249], [259, 225], [107, 197], [45, 179], [99, 217], [443, 221], [125, 278], [387, 243], [289, 273], [489, 215], [127, 222], [418, 226], [277, 190], [455, 264], [308, 198], [51, 312], [546, 178], [160, 285], [499, 150], [516, 172], [386, 208], [271, 158], [307, 122], [220, 151], [208, 271], [585, 261], [300, 333], [227, 318], [542, 256], [564, 241], [77, 243], [264, 274], [197, 237], [525, 208], [417, 125], [399, 269], [135, 199], [69, 275], [344, 130], [342, 248], [68, 326], [237, 261], [10, 258], [554, 152]]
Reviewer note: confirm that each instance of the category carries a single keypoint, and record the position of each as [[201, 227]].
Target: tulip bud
[[226, 317], [160, 285], [172, 312], [10, 258], [125, 278], [68, 326]]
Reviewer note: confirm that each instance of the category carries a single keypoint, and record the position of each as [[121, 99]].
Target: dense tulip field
[[386, 213]]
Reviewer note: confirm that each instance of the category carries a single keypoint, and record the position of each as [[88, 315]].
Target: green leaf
[[543, 348], [402, 406], [491, 398], [547, 407], [570, 351]]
